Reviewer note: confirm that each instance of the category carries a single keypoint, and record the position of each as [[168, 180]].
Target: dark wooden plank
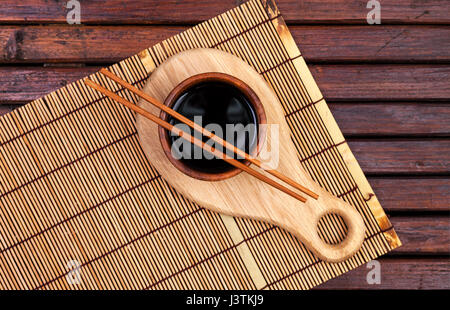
[[5, 109], [337, 82], [405, 273], [402, 156], [19, 85], [392, 119], [383, 82], [424, 235], [66, 43], [190, 11], [429, 194], [369, 43]]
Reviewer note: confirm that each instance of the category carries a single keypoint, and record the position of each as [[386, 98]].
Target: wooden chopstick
[[192, 139], [205, 132]]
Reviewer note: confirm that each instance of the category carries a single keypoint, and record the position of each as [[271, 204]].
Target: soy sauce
[[217, 103]]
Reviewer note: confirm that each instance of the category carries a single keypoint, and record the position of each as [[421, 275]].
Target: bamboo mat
[[79, 200]]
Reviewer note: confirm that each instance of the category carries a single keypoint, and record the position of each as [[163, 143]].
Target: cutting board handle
[[352, 241]]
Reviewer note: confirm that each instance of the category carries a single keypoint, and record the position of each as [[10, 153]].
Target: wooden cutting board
[[243, 195]]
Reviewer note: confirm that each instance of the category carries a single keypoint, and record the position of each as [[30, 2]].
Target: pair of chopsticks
[[196, 141]]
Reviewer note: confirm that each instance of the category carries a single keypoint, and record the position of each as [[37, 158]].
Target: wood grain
[[422, 235], [404, 273], [383, 82], [337, 82], [402, 156], [392, 119], [87, 44], [21, 85], [191, 11], [430, 194], [65, 43], [382, 43]]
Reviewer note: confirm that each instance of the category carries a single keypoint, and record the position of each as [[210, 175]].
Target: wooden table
[[387, 86]]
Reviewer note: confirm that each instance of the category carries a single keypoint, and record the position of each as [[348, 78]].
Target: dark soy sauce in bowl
[[217, 103]]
